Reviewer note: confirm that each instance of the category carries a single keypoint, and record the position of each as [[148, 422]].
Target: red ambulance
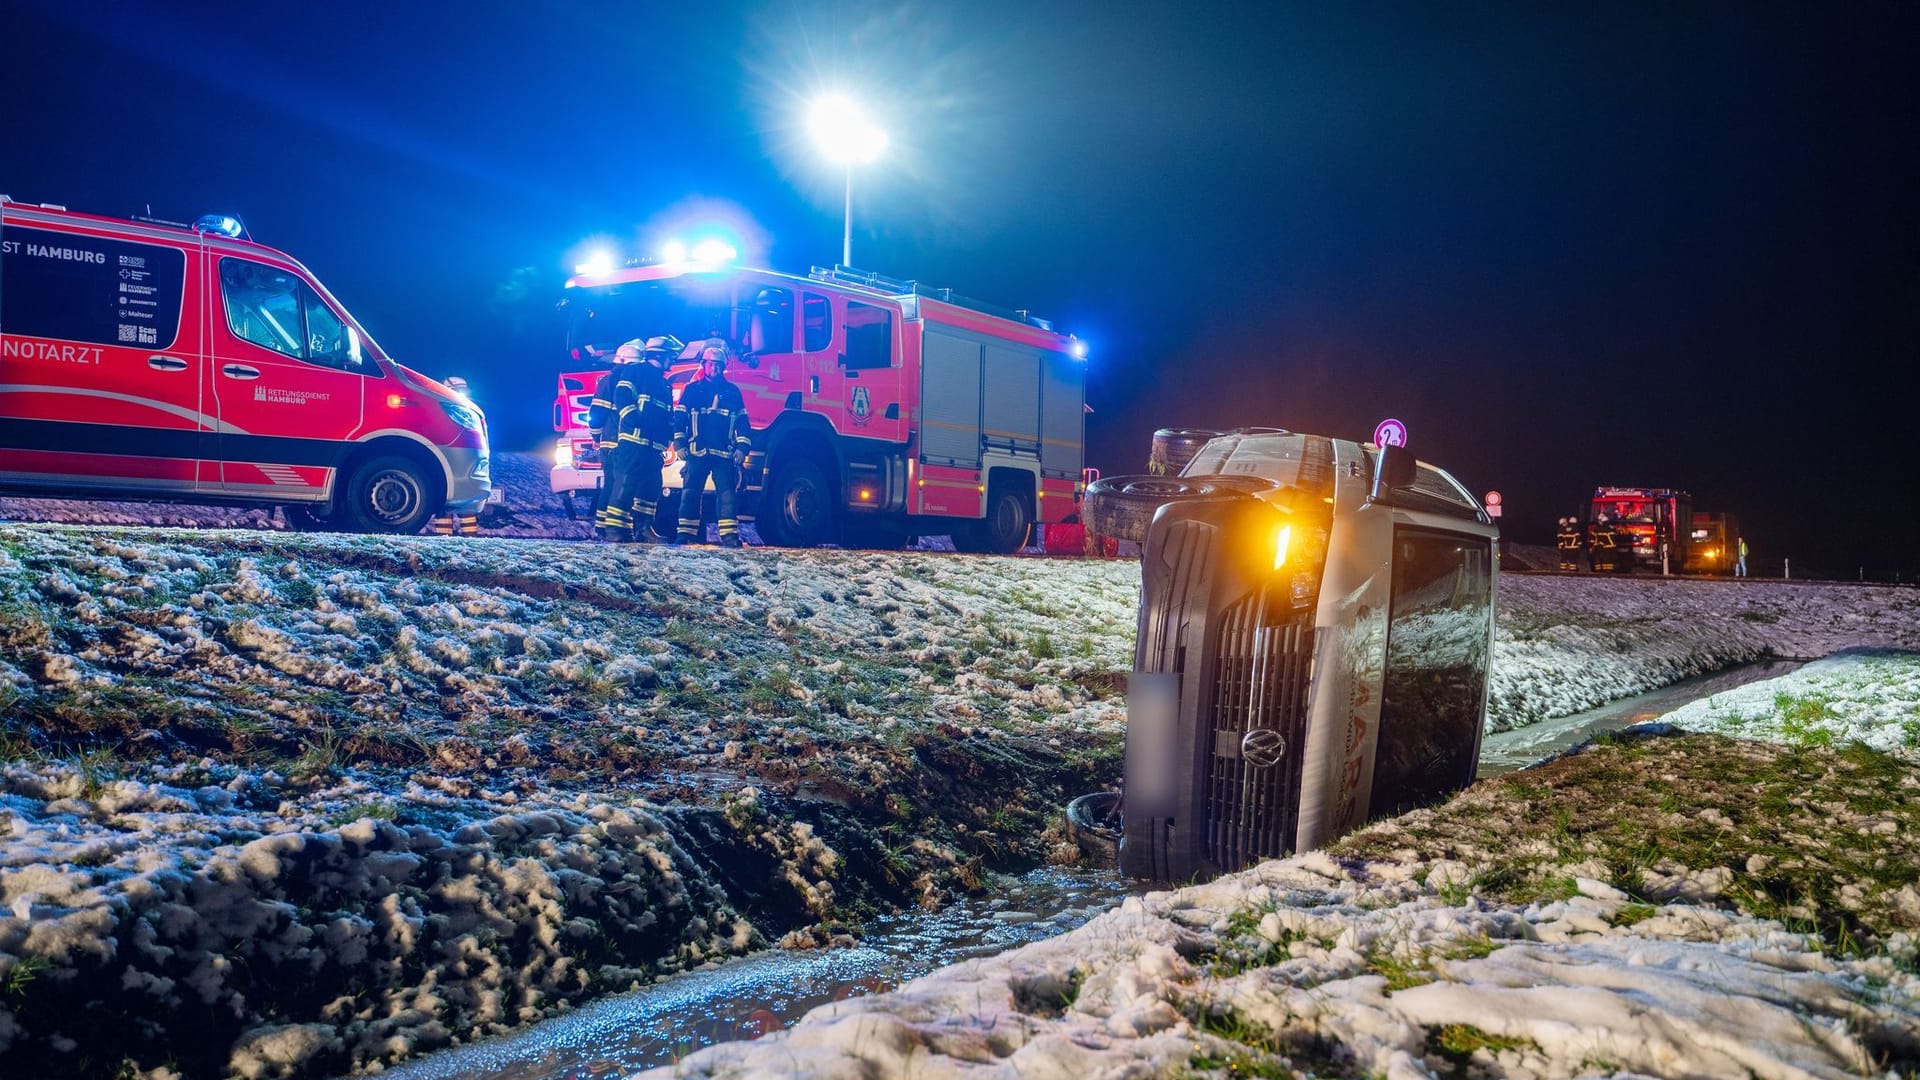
[[153, 361]]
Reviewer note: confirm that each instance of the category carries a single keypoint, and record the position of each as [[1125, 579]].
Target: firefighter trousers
[[725, 476], [633, 488]]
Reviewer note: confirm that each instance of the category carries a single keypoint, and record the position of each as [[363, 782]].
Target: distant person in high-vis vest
[[1740, 564], [448, 523]]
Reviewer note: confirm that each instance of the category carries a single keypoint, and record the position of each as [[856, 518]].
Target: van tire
[[1122, 507], [389, 494], [798, 507], [1174, 447]]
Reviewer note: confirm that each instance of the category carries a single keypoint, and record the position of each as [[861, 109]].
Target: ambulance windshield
[[600, 319]]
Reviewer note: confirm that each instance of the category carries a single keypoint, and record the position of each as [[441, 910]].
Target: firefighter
[[712, 435], [1568, 542], [632, 420], [1606, 552], [446, 522]]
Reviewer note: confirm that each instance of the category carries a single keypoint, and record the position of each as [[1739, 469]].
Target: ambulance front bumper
[[471, 478]]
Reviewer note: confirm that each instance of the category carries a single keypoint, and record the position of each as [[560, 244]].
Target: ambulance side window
[[817, 314], [276, 310], [869, 337]]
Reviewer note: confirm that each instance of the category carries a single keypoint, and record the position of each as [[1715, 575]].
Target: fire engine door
[[289, 396], [856, 382]]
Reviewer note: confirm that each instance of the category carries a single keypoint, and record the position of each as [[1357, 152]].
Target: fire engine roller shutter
[[950, 398], [1062, 415], [1010, 398]]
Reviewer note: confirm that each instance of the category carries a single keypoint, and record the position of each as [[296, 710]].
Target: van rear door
[[290, 397], [100, 358]]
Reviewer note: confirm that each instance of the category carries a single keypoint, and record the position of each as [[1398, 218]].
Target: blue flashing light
[[714, 251], [673, 251], [1078, 348], [221, 224], [598, 264]]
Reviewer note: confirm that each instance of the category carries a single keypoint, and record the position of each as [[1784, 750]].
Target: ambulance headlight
[[464, 415], [563, 454]]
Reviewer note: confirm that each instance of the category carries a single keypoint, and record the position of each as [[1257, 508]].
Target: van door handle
[[166, 363], [240, 371]]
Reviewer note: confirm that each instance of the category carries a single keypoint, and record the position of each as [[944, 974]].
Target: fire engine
[[1643, 521], [881, 409], [142, 359], [1715, 543]]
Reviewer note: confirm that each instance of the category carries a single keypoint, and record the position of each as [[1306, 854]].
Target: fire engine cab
[[1628, 528], [150, 360], [881, 409]]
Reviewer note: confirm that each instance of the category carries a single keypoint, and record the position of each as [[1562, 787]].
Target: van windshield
[[691, 309]]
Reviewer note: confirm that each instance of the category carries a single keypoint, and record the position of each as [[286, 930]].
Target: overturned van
[[1316, 624]]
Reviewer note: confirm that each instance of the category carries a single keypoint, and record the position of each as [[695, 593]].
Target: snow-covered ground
[[326, 801], [1869, 696]]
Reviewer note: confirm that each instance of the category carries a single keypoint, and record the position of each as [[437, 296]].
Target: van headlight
[[465, 415]]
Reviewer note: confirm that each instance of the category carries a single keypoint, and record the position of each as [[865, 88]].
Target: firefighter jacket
[[711, 419], [632, 405]]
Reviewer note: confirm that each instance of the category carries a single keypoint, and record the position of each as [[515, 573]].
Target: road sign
[[1493, 498], [1390, 433]]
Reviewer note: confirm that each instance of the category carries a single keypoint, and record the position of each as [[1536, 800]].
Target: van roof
[[152, 227]]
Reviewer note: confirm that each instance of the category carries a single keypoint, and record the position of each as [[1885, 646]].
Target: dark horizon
[[1635, 245]]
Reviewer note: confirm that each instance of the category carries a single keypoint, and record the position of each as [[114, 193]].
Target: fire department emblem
[[862, 406]]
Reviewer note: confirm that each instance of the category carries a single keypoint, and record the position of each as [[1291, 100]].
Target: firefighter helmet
[[630, 352], [663, 349]]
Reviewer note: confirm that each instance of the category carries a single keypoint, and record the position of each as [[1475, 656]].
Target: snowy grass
[[818, 735], [1871, 697]]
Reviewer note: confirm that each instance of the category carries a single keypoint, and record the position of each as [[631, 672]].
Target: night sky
[[1569, 245]]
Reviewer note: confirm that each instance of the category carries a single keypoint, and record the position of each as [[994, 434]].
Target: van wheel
[[1174, 447], [1122, 507], [797, 508], [388, 494]]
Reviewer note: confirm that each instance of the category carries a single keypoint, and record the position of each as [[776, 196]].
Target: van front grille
[[1260, 680]]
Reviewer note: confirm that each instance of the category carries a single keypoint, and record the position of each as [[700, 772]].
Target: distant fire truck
[[881, 409], [1639, 522], [1714, 544]]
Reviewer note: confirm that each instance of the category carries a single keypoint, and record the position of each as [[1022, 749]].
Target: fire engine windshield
[[1626, 510], [599, 319]]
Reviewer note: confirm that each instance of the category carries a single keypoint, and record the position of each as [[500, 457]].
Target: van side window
[[869, 337], [276, 310], [88, 288], [817, 313], [772, 328]]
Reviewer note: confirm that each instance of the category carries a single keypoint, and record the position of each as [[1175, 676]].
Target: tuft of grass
[[383, 811], [1460, 1041], [1804, 720], [21, 975], [1042, 647]]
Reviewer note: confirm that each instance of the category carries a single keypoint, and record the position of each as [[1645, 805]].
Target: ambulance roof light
[[222, 225]]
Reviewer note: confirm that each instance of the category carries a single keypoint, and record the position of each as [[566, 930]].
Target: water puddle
[[1506, 751], [764, 992]]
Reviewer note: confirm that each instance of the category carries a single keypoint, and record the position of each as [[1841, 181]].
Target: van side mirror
[[1393, 471]]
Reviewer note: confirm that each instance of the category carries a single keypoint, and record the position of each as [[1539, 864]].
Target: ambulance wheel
[[389, 494], [797, 507], [305, 518], [1122, 507], [1174, 447]]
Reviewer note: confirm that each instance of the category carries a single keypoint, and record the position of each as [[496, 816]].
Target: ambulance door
[[286, 377], [100, 361]]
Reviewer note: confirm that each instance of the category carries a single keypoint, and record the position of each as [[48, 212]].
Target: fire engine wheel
[[1004, 529], [797, 507], [1122, 507], [389, 494], [1174, 447]]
